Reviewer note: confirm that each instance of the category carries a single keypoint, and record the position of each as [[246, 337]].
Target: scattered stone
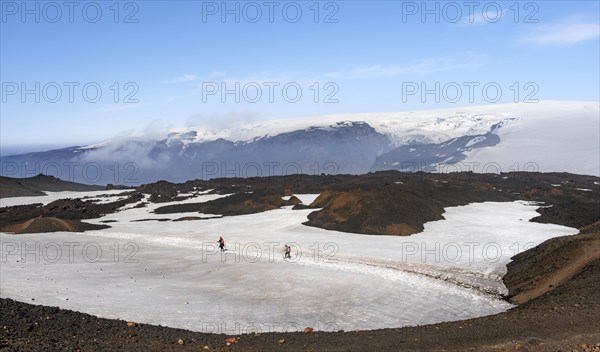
[[180, 342], [131, 324], [308, 330], [281, 341], [231, 341]]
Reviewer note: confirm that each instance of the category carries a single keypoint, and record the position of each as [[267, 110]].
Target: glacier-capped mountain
[[545, 136]]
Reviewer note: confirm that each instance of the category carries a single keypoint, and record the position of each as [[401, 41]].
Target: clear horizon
[[83, 73]]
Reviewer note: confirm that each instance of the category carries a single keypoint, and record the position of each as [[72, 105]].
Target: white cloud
[[216, 74], [563, 33], [134, 146], [491, 15], [118, 107], [426, 66], [182, 79], [423, 67], [261, 78], [220, 121], [333, 74]]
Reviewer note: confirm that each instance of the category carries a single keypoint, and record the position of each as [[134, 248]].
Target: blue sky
[[159, 64]]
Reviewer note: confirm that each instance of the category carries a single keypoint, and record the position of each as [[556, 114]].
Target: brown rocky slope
[[36, 185], [51, 224]]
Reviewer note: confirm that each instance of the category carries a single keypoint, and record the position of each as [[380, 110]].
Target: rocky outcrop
[[36, 185], [236, 204], [42, 224]]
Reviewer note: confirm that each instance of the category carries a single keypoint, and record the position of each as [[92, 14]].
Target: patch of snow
[[103, 199], [307, 198], [52, 196], [475, 141], [179, 194]]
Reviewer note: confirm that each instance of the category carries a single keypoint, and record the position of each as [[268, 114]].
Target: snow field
[[171, 273]]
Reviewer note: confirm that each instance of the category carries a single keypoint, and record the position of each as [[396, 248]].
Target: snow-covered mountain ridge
[[545, 136]]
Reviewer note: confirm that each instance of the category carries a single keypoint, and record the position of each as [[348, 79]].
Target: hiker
[[288, 252], [221, 243]]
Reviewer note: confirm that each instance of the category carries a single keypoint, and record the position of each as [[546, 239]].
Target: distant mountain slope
[[427, 157], [35, 186], [549, 136]]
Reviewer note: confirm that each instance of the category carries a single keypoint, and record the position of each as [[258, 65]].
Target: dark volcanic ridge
[[403, 206], [36, 185], [391, 202], [381, 203], [236, 204], [51, 224]]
